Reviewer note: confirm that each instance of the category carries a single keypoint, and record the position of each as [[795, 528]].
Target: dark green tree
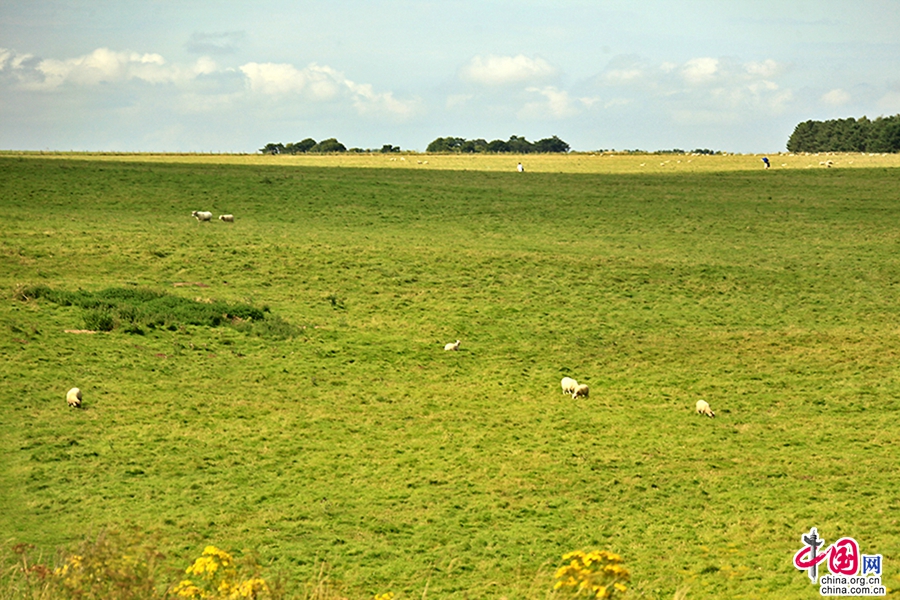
[[519, 145], [847, 135], [446, 144], [497, 146], [272, 148], [303, 146], [329, 145], [551, 144]]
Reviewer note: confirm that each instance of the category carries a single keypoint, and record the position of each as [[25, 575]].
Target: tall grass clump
[[135, 309], [127, 565], [116, 565]]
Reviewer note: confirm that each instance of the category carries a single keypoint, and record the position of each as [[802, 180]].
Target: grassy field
[[359, 443], [538, 163]]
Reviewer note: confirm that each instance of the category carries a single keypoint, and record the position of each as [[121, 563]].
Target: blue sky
[[227, 76]]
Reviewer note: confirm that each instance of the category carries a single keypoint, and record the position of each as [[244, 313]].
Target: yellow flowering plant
[[596, 574], [214, 576]]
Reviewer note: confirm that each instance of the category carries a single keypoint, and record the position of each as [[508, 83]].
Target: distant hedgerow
[[135, 309]]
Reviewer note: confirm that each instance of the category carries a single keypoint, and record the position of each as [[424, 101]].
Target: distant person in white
[[520, 168]]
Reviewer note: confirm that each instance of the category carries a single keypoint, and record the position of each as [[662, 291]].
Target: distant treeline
[[847, 135], [515, 145], [311, 145]]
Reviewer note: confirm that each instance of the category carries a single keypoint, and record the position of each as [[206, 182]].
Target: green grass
[[361, 443]]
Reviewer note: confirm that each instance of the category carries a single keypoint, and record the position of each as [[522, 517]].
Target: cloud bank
[[105, 69]]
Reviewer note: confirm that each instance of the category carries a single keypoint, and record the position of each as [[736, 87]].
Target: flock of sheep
[[205, 215], [576, 390], [569, 385], [581, 390]]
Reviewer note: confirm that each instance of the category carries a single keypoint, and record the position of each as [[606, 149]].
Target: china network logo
[[851, 573]]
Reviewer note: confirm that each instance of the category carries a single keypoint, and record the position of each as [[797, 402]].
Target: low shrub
[[137, 309]]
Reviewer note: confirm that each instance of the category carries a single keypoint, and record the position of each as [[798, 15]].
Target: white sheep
[[704, 409], [568, 385], [73, 398], [202, 215], [227, 218], [581, 391], [453, 346]]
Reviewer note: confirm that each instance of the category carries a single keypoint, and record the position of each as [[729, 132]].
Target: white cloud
[[767, 68], [836, 97], [12, 59], [505, 70], [202, 84], [367, 101], [556, 105], [277, 79], [700, 70], [104, 66], [322, 83]]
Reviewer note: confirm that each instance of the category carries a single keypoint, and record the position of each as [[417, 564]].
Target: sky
[[229, 76]]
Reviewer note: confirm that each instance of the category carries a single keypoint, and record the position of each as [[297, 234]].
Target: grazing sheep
[[581, 391], [202, 215], [227, 218], [73, 398], [568, 385], [453, 346], [704, 409]]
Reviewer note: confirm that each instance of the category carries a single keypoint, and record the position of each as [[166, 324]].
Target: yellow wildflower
[[597, 573], [250, 588]]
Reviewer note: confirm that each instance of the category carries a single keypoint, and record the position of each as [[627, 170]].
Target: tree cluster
[[847, 135], [515, 145], [307, 145], [310, 145]]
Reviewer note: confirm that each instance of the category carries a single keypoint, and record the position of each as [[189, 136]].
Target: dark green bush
[[99, 319], [137, 309]]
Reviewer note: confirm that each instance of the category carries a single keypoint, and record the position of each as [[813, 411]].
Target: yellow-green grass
[[362, 443], [581, 162]]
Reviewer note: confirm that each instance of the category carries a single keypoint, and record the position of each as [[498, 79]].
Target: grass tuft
[[132, 310]]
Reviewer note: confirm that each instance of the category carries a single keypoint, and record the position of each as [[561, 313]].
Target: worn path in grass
[[362, 443]]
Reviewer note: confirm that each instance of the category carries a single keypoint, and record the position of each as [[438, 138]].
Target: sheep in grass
[[227, 218], [453, 346], [568, 385], [581, 391], [73, 398], [704, 409], [202, 215]]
